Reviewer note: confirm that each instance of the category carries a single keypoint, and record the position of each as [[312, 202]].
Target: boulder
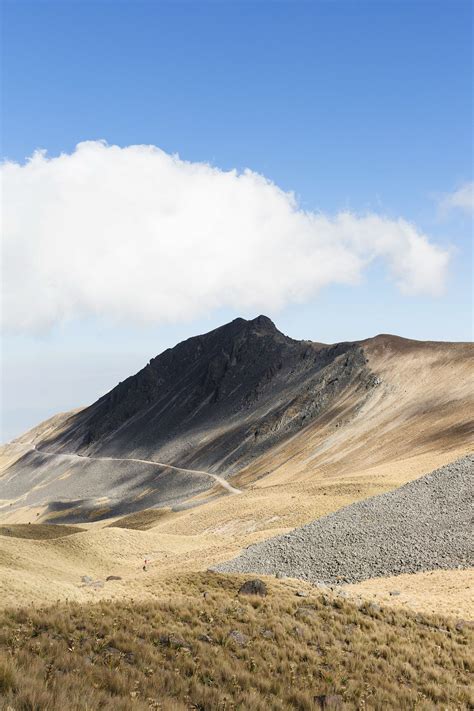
[[253, 587], [172, 640], [238, 638]]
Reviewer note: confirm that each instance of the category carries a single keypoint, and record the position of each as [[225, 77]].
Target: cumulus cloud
[[136, 234], [460, 199]]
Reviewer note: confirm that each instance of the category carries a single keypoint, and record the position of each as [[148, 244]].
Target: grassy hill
[[211, 648]]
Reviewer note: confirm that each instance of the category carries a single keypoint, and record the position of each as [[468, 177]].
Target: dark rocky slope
[[218, 400]]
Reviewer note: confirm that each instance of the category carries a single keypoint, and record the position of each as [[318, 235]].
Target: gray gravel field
[[423, 525]]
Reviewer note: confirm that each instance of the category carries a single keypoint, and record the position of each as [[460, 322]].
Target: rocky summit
[[217, 400]]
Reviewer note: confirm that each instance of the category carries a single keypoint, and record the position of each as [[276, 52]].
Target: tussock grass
[[38, 531], [179, 654]]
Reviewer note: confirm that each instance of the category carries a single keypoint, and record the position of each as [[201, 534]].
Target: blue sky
[[360, 106]]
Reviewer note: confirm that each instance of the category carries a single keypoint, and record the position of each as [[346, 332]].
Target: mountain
[[215, 401], [235, 404]]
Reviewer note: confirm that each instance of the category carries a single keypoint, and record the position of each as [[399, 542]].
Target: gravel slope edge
[[424, 525]]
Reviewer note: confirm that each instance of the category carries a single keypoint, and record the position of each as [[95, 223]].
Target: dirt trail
[[220, 480]]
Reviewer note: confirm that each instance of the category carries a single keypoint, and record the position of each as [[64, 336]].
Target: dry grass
[[142, 520], [442, 592], [177, 654], [38, 531]]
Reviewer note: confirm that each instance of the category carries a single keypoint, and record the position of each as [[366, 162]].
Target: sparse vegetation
[[211, 649]]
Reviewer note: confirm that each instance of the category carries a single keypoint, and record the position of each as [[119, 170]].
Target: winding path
[[219, 479]]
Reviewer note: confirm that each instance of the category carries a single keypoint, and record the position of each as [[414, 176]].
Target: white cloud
[[136, 234], [460, 199]]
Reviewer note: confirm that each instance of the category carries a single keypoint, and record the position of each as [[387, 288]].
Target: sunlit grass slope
[[209, 648]]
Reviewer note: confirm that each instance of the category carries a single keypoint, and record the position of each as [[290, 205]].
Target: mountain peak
[[263, 323], [241, 327]]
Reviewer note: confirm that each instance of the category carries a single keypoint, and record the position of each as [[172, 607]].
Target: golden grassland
[[444, 592], [211, 649], [47, 570]]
